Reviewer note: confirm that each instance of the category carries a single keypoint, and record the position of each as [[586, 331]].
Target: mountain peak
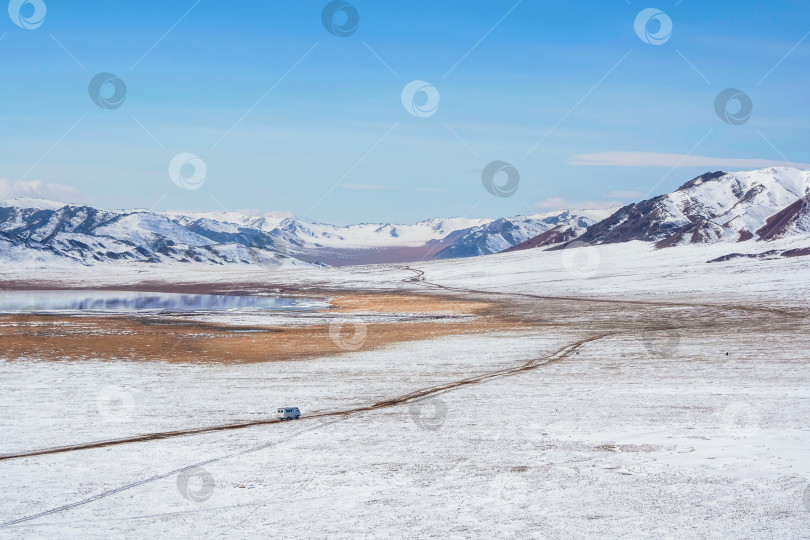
[[714, 207], [700, 180]]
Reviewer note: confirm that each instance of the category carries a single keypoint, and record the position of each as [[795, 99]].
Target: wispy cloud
[[559, 203], [40, 190], [653, 159]]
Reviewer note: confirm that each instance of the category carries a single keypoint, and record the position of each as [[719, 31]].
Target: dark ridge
[[777, 225]]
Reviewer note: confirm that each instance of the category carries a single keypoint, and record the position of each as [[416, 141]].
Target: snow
[[650, 430], [613, 441], [370, 235], [230, 221], [733, 203], [716, 207], [144, 228], [772, 188], [593, 215], [29, 202], [376, 235], [142, 235]]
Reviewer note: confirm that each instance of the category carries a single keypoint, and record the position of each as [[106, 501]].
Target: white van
[[288, 413]]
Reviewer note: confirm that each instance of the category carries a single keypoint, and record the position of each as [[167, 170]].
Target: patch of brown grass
[[120, 337]]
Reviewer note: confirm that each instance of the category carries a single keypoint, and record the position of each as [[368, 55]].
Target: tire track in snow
[[155, 478], [419, 278], [560, 354]]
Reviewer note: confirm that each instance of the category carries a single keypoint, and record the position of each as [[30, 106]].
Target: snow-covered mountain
[[509, 233], [569, 226], [43, 230], [716, 207]]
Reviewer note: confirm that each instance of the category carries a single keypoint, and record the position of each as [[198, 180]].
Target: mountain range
[[755, 206], [46, 231]]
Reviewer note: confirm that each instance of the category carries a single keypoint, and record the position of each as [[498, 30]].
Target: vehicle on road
[[288, 413]]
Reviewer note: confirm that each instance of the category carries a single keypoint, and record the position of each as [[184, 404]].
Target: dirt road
[[561, 354]]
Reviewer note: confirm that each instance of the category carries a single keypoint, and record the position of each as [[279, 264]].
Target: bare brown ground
[[404, 303], [186, 341]]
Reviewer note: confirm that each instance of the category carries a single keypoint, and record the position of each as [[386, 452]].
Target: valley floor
[[647, 394]]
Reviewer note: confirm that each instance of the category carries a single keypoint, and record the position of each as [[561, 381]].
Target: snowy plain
[[650, 430]]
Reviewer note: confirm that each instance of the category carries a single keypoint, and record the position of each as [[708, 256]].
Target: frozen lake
[[88, 301]]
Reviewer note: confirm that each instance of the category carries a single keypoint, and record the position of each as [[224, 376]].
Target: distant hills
[[757, 206], [47, 231]]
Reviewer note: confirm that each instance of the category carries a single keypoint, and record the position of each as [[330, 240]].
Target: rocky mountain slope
[[505, 235], [716, 207]]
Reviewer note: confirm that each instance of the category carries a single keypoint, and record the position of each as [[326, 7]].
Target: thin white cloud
[[40, 190], [653, 159], [559, 203]]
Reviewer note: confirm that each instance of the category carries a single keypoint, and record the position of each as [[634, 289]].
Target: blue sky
[[290, 118]]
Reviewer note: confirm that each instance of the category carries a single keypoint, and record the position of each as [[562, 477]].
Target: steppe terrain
[[518, 395]]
